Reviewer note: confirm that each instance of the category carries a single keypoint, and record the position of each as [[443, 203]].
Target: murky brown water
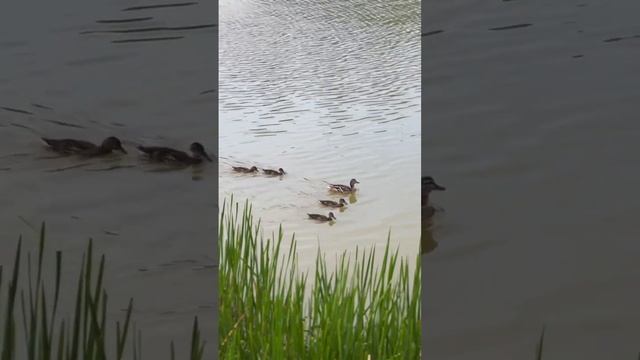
[[329, 91], [75, 69], [534, 130]]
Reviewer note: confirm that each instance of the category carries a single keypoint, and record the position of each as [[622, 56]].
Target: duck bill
[[438, 187]]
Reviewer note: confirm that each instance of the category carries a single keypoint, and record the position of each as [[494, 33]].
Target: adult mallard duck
[[85, 148], [429, 185], [244, 169], [334, 204], [344, 188], [280, 172], [322, 217], [169, 155]]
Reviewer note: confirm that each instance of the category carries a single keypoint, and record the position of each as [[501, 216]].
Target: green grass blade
[[540, 346], [9, 340], [121, 339]]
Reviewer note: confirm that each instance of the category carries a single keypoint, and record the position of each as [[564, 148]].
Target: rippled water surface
[[329, 91], [532, 113], [143, 73]]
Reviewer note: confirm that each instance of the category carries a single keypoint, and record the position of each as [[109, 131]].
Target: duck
[[344, 188], [169, 155], [335, 204], [322, 217], [244, 169], [274, 172], [429, 185], [85, 148]]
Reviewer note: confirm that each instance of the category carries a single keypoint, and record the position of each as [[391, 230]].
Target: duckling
[[169, 155], [344, 188], [244, 169], [322, 217], [85, 148], [334, 204], [274, 172]]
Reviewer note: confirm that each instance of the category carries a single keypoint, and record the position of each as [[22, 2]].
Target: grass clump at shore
[[33, 327], [367, 307]]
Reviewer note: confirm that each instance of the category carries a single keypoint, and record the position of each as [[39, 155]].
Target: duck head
[[343, 202], [198, 151], [428, 185], [331, 216], [113, 143], [353, 182], [281, 171], [253, 169]]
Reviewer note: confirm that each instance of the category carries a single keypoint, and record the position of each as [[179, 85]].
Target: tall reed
[[365, 307], [37, 330]]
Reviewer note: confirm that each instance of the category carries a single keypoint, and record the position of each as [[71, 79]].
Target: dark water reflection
[[144, 74], [538, 149]]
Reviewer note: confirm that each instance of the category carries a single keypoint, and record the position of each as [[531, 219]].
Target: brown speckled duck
[[279, 172], [323, 218], [344, 188], [244, 169], [84, 148], [429, 185], [169, 155], [334, 204]]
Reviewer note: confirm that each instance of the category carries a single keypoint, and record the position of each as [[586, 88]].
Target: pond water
[[90, 70], [534, 131], [328, 91]]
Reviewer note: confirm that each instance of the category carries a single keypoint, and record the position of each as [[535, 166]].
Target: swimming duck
[[165, 154], [334, 204], [273, 172], [244, 169], [85, 148], [344, 188], [429, 185], [322, 217]]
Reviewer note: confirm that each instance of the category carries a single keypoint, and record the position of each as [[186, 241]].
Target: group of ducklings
[[336, 188], [159, 154], [254, 169]]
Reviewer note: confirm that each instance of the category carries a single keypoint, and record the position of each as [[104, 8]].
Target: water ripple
[[327, 91]]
